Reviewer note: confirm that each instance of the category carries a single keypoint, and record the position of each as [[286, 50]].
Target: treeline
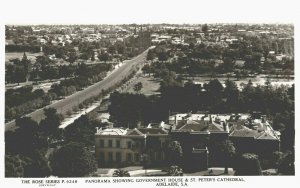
[[24, 100], [277, 103], [40, 150], [22, 48], [203, 58], [194, 67], [85, 76], [27, 146]]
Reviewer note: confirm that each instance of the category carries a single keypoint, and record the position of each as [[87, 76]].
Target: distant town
[[149, 100]]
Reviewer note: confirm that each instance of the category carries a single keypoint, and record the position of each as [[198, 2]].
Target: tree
[[128, 109], [231, 93], [14, 166], [19, 75], [26, 65], [145, 161], [50, 125], [204, 28], [214, 86], [24, 139], [42, 62], [248, 165], [66, 71], [112, 49], [150, 55], [81, 130], [175, 153], [82, 70], [121, 173], [175, 171], [146, 69], [228, 64], [103, 57], [163, 56], [93, 57], [36, 165], [252, 62], [72, 160], [138, 87], [227, 151], [286, 163]]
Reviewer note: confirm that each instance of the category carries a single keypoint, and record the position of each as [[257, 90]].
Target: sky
[[145, 11]]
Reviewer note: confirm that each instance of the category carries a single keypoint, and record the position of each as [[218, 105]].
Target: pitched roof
[[152, 131], [201, 125], [180, 123], [134, 132], [112, 131], [245, 133], [267, 136], [195, 126]]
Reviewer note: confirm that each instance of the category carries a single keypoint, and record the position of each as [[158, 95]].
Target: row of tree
[[32, 145], [24, 100], [277, 102]]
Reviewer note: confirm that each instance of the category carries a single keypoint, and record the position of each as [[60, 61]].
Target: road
[[64, 105]]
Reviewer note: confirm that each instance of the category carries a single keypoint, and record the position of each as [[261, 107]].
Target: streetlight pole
[[145, 155]]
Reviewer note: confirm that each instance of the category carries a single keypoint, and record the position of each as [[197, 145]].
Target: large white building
[[121, 147]]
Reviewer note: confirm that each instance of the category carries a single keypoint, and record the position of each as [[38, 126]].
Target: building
[[201, 134], [255, 135], [117, 147], [200, 137], [196, 133]]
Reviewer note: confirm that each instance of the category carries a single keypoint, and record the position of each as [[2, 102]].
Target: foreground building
[[117, 147], [199, 135]]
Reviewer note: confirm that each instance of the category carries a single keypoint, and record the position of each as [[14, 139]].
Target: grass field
[[14, 55], [150, 85]]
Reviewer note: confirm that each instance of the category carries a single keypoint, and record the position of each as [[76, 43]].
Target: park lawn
[[150, 85], [14, 55]]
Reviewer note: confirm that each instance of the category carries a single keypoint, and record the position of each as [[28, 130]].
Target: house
[[117, 147]]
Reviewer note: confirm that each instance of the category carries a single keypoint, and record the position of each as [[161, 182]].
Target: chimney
[[203, 117], [162, 124], [185, 119], [263, 118], [98, 129], [237, 117], [224, 126], [139, 124], [110, 125]]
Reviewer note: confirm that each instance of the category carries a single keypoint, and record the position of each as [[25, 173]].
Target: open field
[[14, 55], [150, 85]]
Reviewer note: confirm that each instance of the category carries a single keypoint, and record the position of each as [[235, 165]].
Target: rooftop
[[202, 125], [111, 131], [131, 132]]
